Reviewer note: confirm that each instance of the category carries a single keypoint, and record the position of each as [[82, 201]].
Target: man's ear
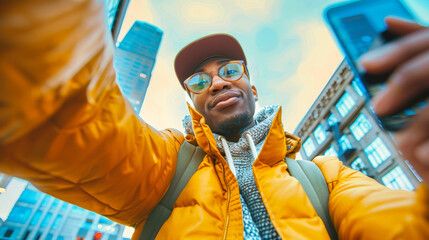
[[255, 92]]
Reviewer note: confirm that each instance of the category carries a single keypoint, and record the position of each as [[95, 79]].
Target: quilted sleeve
[[64, 125], [361, 208]]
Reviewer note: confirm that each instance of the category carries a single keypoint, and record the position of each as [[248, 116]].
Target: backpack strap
[[190, 157], [311, 179], [188, 160]]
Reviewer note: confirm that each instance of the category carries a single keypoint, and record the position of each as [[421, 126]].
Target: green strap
[[188, 160], [311, 179]]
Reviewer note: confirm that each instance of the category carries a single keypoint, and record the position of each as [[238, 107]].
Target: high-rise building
[[37, 215], [340, 123], [115, 11], [134, 60]]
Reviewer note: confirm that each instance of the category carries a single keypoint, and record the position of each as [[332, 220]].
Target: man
[[67, 129]]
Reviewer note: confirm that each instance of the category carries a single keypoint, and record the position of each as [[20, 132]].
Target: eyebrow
[[218, 63]]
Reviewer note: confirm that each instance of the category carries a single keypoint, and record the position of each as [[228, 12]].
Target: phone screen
[[359, 24], [359, 27]]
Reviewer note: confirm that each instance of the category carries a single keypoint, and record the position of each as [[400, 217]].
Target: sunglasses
[[200, 82]]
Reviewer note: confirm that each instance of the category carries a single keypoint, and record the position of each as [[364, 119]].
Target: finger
[[413, 139], [392, 54], [406, 82], [422, 153], [402, 26]]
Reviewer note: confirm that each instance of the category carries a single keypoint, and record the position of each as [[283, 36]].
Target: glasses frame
[[241, 62]]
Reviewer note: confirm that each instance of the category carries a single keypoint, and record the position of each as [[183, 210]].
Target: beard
[[235, 125]]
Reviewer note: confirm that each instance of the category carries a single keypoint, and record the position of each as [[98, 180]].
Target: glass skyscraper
[[115, 11], [134, 61], [37, 215]]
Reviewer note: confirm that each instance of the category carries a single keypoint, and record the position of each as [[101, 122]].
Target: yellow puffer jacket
[[65, 127]]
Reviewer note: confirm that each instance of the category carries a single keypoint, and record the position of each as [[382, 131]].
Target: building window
[[358, 165], [46, 220], [19, 214], [332, 119], [345, 104], [45, 201], [319, 134], [360, 127], [55, 203], [309, 146], [88, 223], [8, 233], [357, 85], [82, 233], [345, 143], [27, 233], [64, 206], [57, 222], [39, 234], [377, 152], [29, 196], [36, 218], [396, 179], [331, 152]]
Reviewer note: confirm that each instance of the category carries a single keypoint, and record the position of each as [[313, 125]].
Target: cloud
[[257, 8], [319, 59], [197, 12]]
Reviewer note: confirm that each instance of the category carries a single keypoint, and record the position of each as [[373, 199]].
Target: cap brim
[[216, 45]]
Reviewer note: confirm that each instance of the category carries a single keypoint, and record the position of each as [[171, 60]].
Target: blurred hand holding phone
[[395, 71], [359, 27]]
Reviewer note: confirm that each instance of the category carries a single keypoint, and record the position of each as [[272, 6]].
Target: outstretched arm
[[64, 124], [362, 208]]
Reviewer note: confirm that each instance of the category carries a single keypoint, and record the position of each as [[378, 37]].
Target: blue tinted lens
[[231, 71], [199, 83]]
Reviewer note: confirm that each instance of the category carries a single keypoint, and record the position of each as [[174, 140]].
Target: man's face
[[226, 106]]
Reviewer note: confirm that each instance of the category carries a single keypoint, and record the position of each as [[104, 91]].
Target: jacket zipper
[[227, 204]]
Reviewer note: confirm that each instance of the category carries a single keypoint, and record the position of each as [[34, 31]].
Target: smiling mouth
[[225, 100], [226, 103]]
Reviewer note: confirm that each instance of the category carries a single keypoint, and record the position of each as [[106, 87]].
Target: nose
[[218, 84]]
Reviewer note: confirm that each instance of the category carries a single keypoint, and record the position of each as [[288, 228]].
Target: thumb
[[402, 26]]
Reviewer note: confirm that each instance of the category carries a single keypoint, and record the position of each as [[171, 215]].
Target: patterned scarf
[[257, 224]]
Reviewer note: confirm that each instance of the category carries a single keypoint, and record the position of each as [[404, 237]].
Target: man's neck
[[235, 136]]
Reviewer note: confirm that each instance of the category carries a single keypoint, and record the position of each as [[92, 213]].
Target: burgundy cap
[[216, 45]]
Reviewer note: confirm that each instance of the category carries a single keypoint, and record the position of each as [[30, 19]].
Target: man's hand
[[409, 59]]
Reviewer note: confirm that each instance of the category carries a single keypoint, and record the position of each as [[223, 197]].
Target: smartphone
[[359, 27]]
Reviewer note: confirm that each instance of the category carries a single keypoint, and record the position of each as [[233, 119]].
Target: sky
[[290, 52], [289, 49]]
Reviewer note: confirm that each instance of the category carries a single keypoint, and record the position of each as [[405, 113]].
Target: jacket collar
[[277, 145], [203, 134]]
